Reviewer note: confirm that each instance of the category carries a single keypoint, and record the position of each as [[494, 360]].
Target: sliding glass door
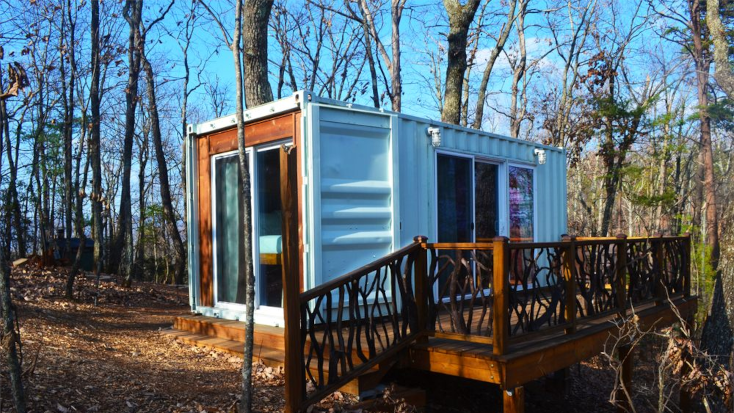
[[269, 229], [227, 218], [468, 199], [455, 201], [487, 201], [228, 237]]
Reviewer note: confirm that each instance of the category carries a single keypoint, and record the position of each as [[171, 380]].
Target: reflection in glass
[[269, 228], [521, 204], [230, 269], [486, 193], [454, 199], [454, 190]]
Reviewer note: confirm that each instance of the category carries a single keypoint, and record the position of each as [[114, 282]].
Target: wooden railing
[[352, 323], [496, 293]]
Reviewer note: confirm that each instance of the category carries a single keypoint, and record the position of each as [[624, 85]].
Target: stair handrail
[[389, 317]]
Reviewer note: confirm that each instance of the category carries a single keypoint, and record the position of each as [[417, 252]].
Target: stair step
[[269, 356], [268, 336]]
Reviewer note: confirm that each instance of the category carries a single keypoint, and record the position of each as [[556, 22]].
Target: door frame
[[263, 314], [503, 201], [503, 193], [533, 168], [214, 158]]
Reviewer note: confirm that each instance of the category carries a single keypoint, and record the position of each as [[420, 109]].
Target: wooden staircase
[[229, 336], [269, 346]]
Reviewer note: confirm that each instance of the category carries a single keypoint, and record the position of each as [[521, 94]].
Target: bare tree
[[494, 54], [122, 254], [9, 337], [165, 187], [395, 88]]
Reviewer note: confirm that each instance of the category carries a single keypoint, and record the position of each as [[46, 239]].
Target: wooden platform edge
[[566, 351]]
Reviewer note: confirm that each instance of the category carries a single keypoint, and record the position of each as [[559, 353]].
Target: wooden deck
[[540, 353], [502, 313], [528, 357]]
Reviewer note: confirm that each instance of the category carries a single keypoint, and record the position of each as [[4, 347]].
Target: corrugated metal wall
[[351, 194], [417, 175]]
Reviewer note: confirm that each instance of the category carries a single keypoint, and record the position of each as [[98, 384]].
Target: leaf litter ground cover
[[113, 358]]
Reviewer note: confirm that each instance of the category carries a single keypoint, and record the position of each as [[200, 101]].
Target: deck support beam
[[624, 394], [513, 400]]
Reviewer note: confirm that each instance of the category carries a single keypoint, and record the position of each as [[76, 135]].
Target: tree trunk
[[143, 156], [717, 330], [168, 212], [251, 25], [94, 144], [12, 184], [9, 338], [724, 73], [396, 13], [254, 28], [123, 255], [460, 18], [517, 114]]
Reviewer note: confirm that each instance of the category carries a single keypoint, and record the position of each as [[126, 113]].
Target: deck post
[[513, 400], [420, 277], [687, 265], [621, 275], [659, 257], [569, 278], [295, 381], [624, 353], [500, 293]]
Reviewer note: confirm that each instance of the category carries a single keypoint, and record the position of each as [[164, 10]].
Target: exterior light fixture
[[540, 153], [435, 134]]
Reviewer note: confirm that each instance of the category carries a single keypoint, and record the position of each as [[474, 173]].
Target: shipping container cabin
[[367, 182]]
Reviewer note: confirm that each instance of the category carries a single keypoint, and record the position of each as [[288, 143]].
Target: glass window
[[270, 228], [454, 199], [486, 194], [230, 268], [521, 204]]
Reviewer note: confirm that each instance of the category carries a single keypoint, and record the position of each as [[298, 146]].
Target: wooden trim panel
[[257, 133], [206, 278]]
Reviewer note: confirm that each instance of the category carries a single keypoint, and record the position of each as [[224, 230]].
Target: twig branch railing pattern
[[354, 322], [459, 293], [496, 293]]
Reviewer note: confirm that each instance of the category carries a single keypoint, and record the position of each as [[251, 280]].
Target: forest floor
[[112, 357]]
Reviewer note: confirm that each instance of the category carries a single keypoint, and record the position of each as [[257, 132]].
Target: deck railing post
[[420, 277], [686, 265], [295, 375], [659, 257], [501, 295], [569, 278], [621, 275]]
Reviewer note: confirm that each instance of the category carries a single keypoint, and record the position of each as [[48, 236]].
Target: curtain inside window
[[521, 204], [230, 270]]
